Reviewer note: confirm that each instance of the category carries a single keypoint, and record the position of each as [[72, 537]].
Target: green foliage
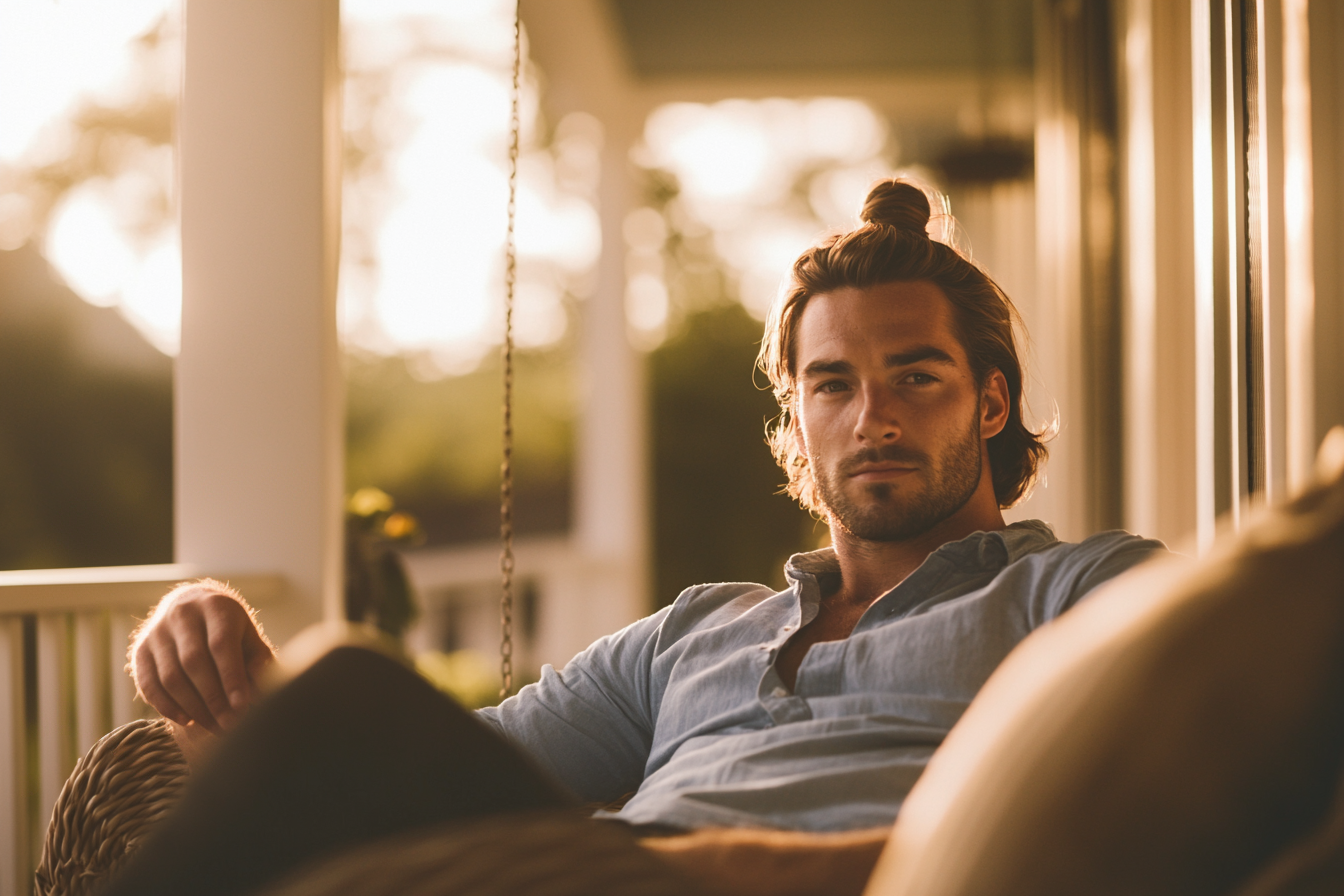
[[436, 445], [719, 515], [468, 676], [86, 403], [85, 429], [377, 588]]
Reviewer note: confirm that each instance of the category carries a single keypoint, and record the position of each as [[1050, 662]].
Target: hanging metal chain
[[506, 465]]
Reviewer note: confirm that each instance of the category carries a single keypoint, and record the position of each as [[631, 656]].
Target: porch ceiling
[[679, 38]]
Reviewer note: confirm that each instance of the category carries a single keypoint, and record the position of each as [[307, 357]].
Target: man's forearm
[[748, 861]]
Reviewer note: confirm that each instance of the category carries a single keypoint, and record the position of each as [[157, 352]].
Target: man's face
[[889, 412]]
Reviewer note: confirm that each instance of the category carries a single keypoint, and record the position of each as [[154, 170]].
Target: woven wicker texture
[[553, 853], [127, 782]]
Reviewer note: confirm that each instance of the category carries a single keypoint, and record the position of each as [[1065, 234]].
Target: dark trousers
[[356, 748]]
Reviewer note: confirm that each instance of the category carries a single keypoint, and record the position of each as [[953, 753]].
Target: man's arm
[[747, 862], [197, 658], [590, 724]]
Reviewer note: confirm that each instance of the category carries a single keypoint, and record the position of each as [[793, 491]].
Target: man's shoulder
[[1069, 570], [1109, 543], [711, 596], [715, 603]]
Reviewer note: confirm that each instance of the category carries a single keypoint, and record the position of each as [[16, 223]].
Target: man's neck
[[869, 569]]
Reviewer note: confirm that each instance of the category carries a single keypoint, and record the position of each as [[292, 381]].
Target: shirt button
[[780, 692]]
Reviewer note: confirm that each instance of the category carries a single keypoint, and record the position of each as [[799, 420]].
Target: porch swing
[[1179, 733]]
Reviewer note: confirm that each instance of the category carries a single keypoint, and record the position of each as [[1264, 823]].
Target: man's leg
[[357, 747]]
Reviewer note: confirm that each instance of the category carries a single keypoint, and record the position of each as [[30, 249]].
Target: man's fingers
[[195, 651], [197, 655], [233, 641], [258, 656], [228, 647], [147, 679], [180, 688]]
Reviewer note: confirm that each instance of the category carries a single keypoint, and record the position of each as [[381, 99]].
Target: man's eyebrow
[[917, 354], [913, 355], [819, 367]]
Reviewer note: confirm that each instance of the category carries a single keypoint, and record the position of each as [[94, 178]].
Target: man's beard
[[895, 516]]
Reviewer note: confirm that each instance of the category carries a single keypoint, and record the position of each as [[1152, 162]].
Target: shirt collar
[[982, 549]]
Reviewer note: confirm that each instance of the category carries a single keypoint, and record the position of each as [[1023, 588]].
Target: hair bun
[[899, 204]]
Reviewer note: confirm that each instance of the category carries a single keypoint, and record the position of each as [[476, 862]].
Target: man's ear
[[993, 405]]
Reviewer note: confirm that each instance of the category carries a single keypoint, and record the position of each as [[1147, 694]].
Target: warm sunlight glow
[[93, 252], [739, 165], [102, 236], [433, 215], [427, 117], [53, 52], [88, 247], [153, 300], [721, 151]]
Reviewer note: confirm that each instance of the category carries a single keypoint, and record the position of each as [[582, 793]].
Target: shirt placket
[[778, 701]]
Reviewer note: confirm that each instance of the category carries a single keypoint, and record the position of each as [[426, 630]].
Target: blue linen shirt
[[687, 707]]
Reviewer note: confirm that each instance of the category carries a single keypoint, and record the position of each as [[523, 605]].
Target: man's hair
[[893, 245]]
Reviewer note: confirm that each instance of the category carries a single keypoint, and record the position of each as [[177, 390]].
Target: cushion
[[542, 853], [1173, 734], [1314, 866]]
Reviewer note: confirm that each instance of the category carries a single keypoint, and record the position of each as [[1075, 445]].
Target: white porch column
[[259, 399], [577, 45], [611, 504]]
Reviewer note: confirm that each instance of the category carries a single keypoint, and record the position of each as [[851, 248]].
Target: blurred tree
[[718, 515], [435, 445], [85, 421], [85, 429], [125, 139], [86, 440]]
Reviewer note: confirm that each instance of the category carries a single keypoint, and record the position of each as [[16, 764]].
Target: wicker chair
[[134, 776], [117, 793], [131, 779]]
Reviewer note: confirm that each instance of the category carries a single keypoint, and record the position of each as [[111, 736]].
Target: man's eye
[[833, 386], [921, 379]]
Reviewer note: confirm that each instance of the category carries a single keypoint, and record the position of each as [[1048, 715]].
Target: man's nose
[[878, 423]]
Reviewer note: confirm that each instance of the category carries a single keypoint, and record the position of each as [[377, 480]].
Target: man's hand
[[751, 862], [197, 658]]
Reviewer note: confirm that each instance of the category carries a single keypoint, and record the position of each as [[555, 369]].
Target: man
[[773, 736]]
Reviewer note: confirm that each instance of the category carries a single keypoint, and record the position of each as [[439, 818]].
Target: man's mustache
[[890, 454]]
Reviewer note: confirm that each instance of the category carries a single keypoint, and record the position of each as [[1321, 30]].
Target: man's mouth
[[877, 472]]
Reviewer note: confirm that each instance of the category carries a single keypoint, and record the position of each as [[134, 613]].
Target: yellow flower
[[400, 525], [368, 501]]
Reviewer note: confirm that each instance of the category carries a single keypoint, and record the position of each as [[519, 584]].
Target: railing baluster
[[123, 689], [14, 853], [91, 680], [53, 711], [82, 619]]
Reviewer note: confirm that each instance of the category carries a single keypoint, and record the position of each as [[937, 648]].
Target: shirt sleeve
[[590, 724], [1095, 562]]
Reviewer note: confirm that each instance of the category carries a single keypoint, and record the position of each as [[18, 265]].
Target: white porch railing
[[63, 636]]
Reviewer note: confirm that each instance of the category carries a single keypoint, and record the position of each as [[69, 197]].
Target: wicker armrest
[[127, 782], [134, 776]]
